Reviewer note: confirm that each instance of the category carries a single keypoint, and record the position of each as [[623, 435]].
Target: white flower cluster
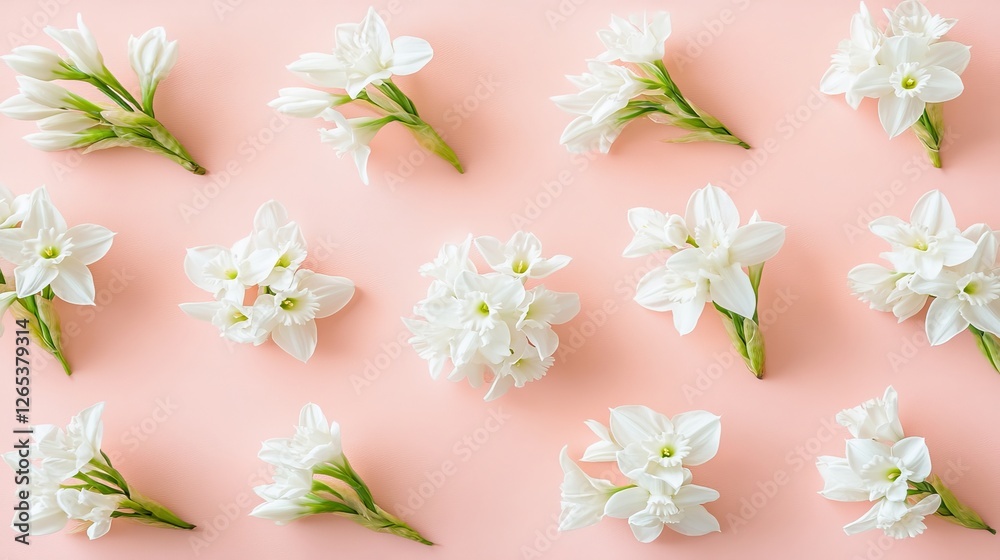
[[51, 261], [931, 258], [491, 321], [894, 471], [72, 479], [907, 67], [68, 121], [362, 64], [628, 81], [287, 299], [653, 452], [312, 475]]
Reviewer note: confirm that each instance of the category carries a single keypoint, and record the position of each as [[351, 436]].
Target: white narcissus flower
[[81, 46], [452, 260], [884, 470], [308, 297], [227, 272], [653, 504], [57, 141], [152, 58], [542, 309], [51, 95], [48, 253], [303, 103], [583, 497], [520, 257], [315, 442], [243, 324], [912, 18], [876, 418], [898, 520], [583, 135], [840, 482], [364, 54], [64, 452], [45, 514], [68, 121], [274, 232], [604, 91], [930, 241], [654, 232], [39, 63], [352, 136], [637, 39], [21, 108], [964, 294], [712, 270], [91, 507], [13, 209], [911, 73], [853, 56], [886, 290], [647, 442], [289, 484]]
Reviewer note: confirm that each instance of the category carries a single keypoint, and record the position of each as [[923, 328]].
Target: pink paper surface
[[187, 411]]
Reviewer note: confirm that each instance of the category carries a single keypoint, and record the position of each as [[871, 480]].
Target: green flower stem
[[747, 338], [989, 345], [105, 479], [951, 509], [688, 116], [106, 90], [930, 130], [46, 339], [362, 510]]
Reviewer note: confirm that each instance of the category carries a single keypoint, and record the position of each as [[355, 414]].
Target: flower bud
[[755, 347], [955, 511]]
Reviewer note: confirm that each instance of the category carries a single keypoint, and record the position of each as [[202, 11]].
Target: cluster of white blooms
[[67, 120], [286, 298], [931, 258], [907, 67], [629, 81], [894, 471], [51, 261], [72, 479], [312, 475], [709, 251], [491, 321], [362, 64], [653, 452]]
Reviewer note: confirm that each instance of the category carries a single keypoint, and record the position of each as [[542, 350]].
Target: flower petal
[[944, 320], [703, 430], [860, 452], [636, 423], [873, 82], [711, 204], [913, 453], [697, 521], [332, 292], [627, 503], [733, 291], [297, 340], [90, 242], [942, 85], [866, 522], [757, 242], [31, 279], [933, 211], [898, 114], [75, 283], [950, 55], [984, 317], [410, 55]]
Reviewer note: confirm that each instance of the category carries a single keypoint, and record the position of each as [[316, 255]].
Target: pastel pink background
[[186, 411]]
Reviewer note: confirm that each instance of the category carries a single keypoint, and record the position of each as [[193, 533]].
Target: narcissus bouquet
[[894, 471], [67, 120], [51, 261], [491, 322], [72, 479], [653, 452], [362, 64], [932, 259], [908, 67], [710, 250], [261, 290], [628, 81], [312, 475]]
